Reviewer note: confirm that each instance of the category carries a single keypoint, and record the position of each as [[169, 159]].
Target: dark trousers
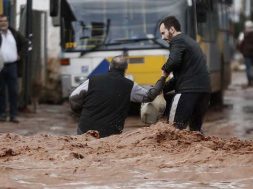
[[79, 132], [249, 69], [9, 81], [188, 109]]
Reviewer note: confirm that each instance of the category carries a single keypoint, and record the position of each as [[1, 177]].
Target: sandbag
[[151, 112]]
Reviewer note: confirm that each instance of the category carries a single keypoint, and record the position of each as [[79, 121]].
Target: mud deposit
[[153, 157]]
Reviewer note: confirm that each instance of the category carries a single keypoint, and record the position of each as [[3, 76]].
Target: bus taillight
[[65, 62]]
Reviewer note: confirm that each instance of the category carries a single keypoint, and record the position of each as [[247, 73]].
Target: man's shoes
[[14, 120], [2, 118], [246, 86]]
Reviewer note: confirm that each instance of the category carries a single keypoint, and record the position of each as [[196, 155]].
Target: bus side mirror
[[54, 7]]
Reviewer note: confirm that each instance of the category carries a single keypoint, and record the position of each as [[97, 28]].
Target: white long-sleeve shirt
[[8, 47]]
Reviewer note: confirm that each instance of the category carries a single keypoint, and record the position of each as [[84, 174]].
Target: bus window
[[53, 8], [84, 24], [207, 19], [67, 30], [223, 17], [201, 9], [97, 35]]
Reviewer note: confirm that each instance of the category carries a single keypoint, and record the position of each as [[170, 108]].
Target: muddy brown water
[[43, 151], [159, 156]]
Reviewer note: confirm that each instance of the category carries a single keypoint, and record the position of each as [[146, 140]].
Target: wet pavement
[[235, 119], [50, 119]]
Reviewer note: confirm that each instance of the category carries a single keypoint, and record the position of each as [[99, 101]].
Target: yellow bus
[[92, 32]]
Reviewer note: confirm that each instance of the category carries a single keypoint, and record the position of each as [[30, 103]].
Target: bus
[[92, 32]]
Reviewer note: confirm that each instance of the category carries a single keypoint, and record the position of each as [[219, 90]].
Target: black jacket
[[188, 65], [103, 101], [22, 45], [246, 46], [106, 104]]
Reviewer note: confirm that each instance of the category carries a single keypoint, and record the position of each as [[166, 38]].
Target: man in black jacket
[[12, 46], [190, 79], [103, 100]]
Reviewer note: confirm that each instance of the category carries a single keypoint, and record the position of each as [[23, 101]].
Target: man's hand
[[165, 74]]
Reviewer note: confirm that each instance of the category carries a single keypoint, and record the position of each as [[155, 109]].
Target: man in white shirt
[[12, 46]]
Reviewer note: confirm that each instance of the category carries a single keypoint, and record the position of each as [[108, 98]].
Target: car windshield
[[117, 24]]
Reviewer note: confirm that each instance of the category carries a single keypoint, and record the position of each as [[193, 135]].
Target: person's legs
[[2, 95], [78, 131], [251, 71], [12, 83], [249, 74], [182, 109], [199, 112], [169, 99]]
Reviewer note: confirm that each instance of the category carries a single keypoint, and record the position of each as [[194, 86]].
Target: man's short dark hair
[[170, 21], [119, 63]]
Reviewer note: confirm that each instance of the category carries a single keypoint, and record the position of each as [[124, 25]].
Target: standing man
[[12, 47], [190, 77], [103, 100], [245, 46]]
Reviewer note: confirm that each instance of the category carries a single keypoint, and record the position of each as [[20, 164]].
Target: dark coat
[[106, 105], [187, 62], [22, 45], [246, 46]]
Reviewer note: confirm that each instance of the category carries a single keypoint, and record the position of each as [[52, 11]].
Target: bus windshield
[[116, 24]]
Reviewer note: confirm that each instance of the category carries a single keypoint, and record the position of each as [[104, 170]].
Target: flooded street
[[236, 118], [49, 47], [42, 151], [233, 120]]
